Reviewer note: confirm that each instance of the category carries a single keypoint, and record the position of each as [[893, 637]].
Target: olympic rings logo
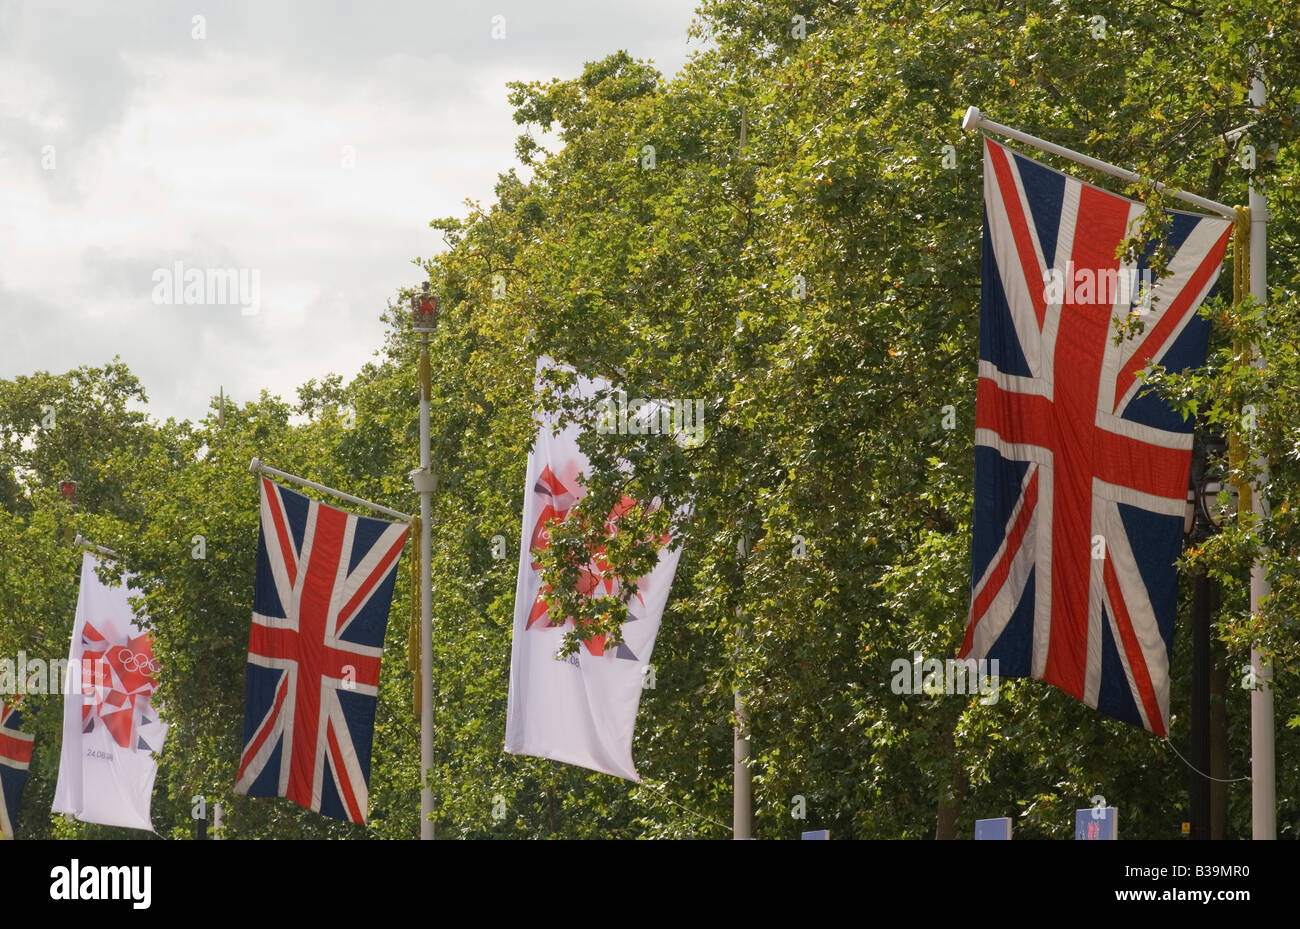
[[137, 661]]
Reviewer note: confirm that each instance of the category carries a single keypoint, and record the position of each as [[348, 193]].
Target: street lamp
[[424, 311], [424, 318], [1204, 514]]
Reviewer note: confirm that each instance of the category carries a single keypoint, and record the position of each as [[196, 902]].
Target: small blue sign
[[1095, 824], [999, 829], [817, 834]]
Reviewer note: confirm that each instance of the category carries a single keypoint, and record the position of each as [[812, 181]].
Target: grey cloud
[[430, 75]]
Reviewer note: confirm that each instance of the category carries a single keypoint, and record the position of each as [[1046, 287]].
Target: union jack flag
[[1080, 476], [15, 756], [320, 610]]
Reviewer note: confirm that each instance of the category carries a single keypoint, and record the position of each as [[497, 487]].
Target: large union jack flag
[[1080, 475], [15, 756], [320, 611]]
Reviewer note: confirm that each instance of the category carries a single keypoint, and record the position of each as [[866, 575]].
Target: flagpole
[[974, 120], [742, 777], [424, 311], [82, 542], [1263, 787], [257, 467]]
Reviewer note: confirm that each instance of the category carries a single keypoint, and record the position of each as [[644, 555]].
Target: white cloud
[[229, 152]]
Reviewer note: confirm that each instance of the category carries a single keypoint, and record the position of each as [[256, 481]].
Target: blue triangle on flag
[[268, 782], [266, 599], [997, 488], [1014, 647], [330, 803], [1157, 541], [1114, 698], [998, 340], [1045, 191]]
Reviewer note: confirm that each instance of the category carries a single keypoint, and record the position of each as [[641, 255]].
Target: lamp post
[[68, 494], [1203, 519], [424, 318], [1263, 764]]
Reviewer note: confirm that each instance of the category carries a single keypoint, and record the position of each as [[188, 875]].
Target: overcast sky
[[128, 145]]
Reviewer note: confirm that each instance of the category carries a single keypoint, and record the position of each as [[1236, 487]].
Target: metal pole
[[1199, 794], [1263, 793], [424, 483], [1218, 742], [216, 820], [742, 776], [82, 542], [256, 467], [974, 119]]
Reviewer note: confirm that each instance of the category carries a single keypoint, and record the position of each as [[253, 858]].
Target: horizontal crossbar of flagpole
[[974, 119], [1233, 135], [82, 542], [256, 467]]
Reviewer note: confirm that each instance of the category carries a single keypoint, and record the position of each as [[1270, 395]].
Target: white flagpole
[[256, 467], [742, 778], [1263, 787], [974, 120], [424, 310], [82, 542]]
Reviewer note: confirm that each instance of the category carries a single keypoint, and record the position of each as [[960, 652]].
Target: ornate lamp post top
[[424, 310]]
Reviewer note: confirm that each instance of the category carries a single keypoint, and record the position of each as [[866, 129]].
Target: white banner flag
[[582, 709], [110, 726]]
